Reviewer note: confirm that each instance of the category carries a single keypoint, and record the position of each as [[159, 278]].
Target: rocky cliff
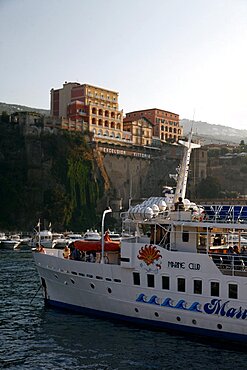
[[51, 177]]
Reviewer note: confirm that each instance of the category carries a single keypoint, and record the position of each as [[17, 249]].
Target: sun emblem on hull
[[151, 258]]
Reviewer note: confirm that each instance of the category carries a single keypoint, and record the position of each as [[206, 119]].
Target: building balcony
[[112, 139]]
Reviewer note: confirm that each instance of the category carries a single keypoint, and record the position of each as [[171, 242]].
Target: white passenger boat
[[43, 237], [170, 278]]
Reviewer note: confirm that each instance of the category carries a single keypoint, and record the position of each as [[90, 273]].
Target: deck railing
[[230, 264]]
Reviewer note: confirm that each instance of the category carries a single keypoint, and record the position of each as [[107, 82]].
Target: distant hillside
[[12, 108], [211, 133]]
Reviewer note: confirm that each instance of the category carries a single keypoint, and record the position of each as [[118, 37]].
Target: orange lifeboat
[[95, 245]]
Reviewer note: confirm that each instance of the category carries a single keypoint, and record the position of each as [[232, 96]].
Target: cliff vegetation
[[51, 177]]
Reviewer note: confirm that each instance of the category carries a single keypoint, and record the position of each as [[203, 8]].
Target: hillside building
[[95, 108], [140, 129], [165, 124]]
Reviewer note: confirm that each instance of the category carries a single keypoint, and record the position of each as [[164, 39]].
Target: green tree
[[4, 117], [209, 188]]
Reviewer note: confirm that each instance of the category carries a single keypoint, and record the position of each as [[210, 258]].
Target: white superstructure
[[176, 275]]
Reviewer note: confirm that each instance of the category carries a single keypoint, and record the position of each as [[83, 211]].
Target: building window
[[215, 289], [233, 291], [150, 280], [197, 287], [166, 282], [185, 236], [181, 284], [136, 278]]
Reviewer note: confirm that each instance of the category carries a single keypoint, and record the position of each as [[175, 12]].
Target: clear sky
[[185, 56]]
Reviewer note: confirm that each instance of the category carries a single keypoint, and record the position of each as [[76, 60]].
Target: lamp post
[[103, 234]]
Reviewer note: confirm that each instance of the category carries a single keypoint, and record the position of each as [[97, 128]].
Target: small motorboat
[[12, 242]]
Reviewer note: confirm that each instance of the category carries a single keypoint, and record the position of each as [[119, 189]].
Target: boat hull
[[107, 290], [9, 244], [147, 323]]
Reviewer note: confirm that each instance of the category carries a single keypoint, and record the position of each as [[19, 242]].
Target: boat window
[[125, 259], [197, 287], [233, 291], [150, 280], [166, 282], [185, 236], [136, 278], [181, 284], [215, 289]]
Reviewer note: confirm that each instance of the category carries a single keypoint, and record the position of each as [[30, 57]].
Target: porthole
[[65, 283], [156, 314], [56, 276], [178, 318], [72, 281], [108, 279], [194, 322], [90, 276], [109, 290], [81, 274], [136, 310], [219, 326], [92, 285], [99, 277]]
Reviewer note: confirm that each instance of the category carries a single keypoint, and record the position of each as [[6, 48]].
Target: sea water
[[35, 337]]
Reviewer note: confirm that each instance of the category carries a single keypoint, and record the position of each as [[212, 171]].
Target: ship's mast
[[184, 168]]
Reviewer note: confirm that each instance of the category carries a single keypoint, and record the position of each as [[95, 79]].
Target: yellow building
[[141, 131]]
